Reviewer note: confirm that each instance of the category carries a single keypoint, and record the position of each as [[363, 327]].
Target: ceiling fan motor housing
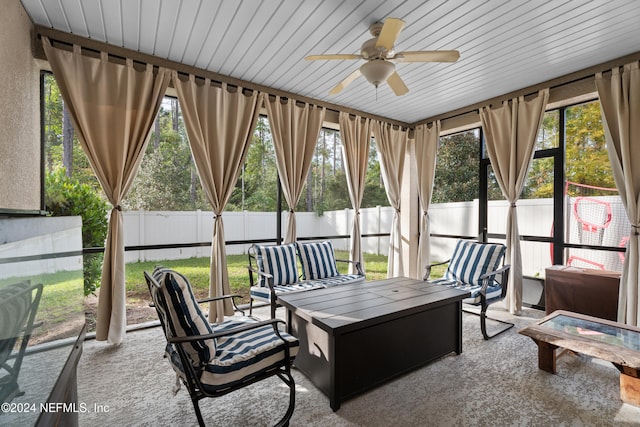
[[369, 50]]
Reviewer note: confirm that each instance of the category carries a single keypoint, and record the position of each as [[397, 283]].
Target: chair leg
[[483, 324], [288, 380], [196, 407], [250, 306]]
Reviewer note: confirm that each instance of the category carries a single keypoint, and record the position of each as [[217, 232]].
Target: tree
[[457, 166], [68, 196], [256, 189], [586, 158]]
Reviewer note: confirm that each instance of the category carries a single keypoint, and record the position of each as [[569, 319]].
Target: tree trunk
[[156, 134], [174, 114], [194, 183], [67, 141], [309, 193]]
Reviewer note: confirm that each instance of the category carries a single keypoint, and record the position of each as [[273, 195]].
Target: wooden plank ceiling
[[504, 45]]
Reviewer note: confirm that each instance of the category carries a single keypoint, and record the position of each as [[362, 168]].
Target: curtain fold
[[392, 147], [295, 131], [112, 107], [220, 124], [620, 106], [511, 131], [356, 138], [426, 148]]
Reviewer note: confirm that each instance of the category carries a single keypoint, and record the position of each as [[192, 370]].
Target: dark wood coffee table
[[354, 337], [607, 340]]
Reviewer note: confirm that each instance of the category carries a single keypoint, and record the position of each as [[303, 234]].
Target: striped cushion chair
[[212, 360], [477, 268], [277, 272]]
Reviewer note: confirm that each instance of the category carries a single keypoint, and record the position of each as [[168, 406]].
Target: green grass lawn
[[62, 297], [197, 271]]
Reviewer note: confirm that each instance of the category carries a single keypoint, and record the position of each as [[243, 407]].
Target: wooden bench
[[273, 270]]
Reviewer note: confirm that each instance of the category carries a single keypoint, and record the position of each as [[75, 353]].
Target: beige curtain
[[620, 104], [511, 131], [392, 147], [295, 132], [113, 107], [220, 124], [426, 148], [356, 137]]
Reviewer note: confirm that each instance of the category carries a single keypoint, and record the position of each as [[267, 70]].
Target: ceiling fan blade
[[397, 85], [339, 56], [428, 56], [351, 77], [389, 33]]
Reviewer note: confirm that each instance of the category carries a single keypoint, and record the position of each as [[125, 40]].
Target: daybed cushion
[[471, 260], [186, 316], [279, 261], [317, 260]]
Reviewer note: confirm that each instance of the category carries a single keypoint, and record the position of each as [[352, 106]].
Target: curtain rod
[[143, 58]]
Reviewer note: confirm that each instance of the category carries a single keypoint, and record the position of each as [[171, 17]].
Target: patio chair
[[475, 267], [18, 307], [212, 360]]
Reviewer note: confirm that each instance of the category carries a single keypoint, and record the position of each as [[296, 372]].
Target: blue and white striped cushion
[[262, 293], [186, 316], [279, 261], [244, 354], [341, 279], [239, 356], [493, 291], [471, 260], [317, 259]]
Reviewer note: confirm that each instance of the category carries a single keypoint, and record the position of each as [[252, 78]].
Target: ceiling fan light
[[377, 70]]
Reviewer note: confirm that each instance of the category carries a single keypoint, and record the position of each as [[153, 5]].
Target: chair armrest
[[487, 277], [493, 273], [243, 328], [267, 276], [357, 264], [223, 297], [430, 266]]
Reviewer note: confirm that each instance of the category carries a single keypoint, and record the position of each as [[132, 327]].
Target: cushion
[[240, 356], [493, 291], [244, 354], [264, 294], [186, 316], [471, 260], [317, 259], [279, 261]]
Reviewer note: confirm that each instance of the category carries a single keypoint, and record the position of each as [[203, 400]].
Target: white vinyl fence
[[535, 218], [144, 228]]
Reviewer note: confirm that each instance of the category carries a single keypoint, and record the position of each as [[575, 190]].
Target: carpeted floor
[[492, 383]]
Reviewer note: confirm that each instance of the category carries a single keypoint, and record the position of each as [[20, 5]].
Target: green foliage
[[68, 196], [586, 158], [164, 178], [53, 118], [587, 161], [256, 189], [456, 178]]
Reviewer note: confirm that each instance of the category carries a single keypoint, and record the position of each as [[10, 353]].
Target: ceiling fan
[[380, 57]]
